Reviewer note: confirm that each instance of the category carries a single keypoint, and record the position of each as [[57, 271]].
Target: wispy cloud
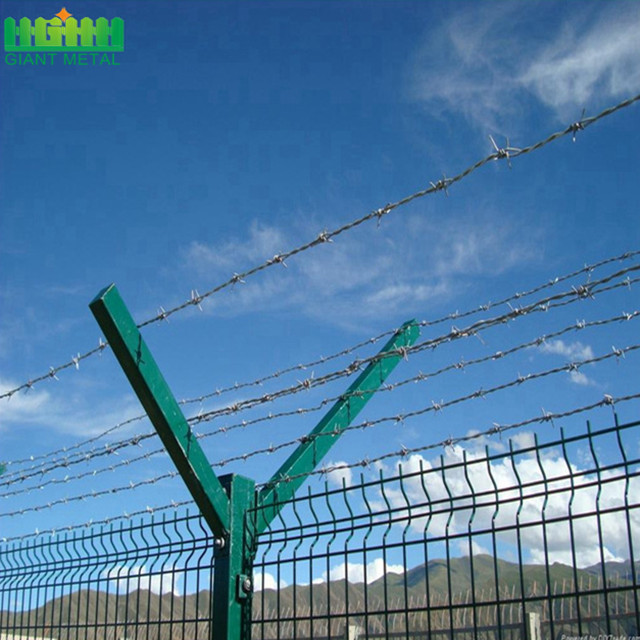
[[587, 59], [369, 274], [263, 242], [488, 61], [572, 352], [76, 413]]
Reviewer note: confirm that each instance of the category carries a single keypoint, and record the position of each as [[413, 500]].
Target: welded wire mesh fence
[[489, 539], [479, 542]]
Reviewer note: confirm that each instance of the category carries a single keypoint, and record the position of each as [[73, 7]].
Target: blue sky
[[230, 132]]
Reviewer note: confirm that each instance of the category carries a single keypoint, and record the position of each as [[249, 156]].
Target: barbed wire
[[585, 291], [582, 292], [456, 315], [367, 424], [433, 407], [575, 293], [496, 429], [420, 377], [324, 237]]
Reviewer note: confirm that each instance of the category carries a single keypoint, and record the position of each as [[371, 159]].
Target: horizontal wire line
[[322, 360], [480, 393], [327, 236], [420, 377], [554, 301], [494, 430]]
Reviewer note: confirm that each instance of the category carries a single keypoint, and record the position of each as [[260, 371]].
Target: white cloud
[[263, 242], [263, 580], [584, 60], [21, 406], [579, 378], [355, 572], [523, 440], [139, 578], [368, 274], [573, 352], [480, 479], [570, 350], [71, 412], [487, 61], [339, 474]]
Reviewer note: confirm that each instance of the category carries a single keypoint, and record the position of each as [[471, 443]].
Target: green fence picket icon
[[62, 34]]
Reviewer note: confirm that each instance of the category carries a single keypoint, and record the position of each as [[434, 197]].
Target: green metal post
[[162, 408], [291, 475], [233, 572]]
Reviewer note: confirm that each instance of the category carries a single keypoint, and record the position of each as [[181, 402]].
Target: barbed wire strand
[[324, 237], [496, 429], [367, 424], [420, 377], [576, 293]]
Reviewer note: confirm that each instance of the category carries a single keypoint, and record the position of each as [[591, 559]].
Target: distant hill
[[391, 603], [615, 570]]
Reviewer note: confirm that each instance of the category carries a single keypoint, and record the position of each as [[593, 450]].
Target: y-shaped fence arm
[[162, 408], [225, 509], [292, 474]]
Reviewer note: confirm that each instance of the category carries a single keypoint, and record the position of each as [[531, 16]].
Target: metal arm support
[[226, 509], [287, 480], [162, 408]]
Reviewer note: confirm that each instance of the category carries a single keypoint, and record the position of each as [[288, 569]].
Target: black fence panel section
[[531, 539], [504, 540], [150, 579]]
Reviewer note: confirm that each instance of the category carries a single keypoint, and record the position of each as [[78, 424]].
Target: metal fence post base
[[233, 569]]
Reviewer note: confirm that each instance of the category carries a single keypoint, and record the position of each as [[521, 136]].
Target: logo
[[83, 42]]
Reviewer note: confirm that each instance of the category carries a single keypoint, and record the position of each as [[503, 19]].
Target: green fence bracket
[[225, 503], [292, 474], [162, 408]]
